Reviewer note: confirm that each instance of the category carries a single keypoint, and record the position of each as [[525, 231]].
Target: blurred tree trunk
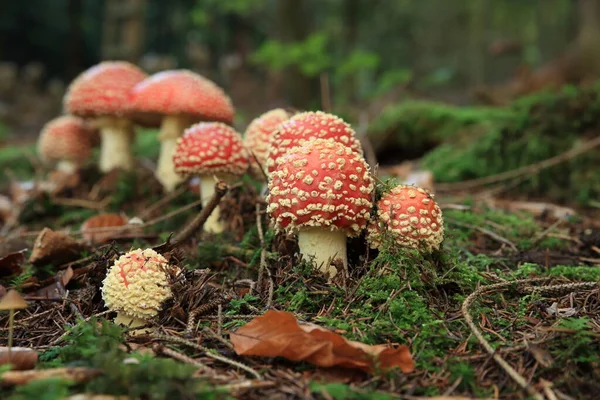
[[292, 21], [123, 35], [584, 50], [75, 46], [351, 14]]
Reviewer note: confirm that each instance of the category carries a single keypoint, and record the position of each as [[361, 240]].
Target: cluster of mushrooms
[[319, 184]]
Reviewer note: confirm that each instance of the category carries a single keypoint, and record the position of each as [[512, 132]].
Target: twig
[[63, 293], [518, 378], [545, 233], [525, 170], [365, 141], [221, 189], [175, 339], [159, 204], [83, 203], [486, 232], [263, 253], [181, 357], [245, 385]]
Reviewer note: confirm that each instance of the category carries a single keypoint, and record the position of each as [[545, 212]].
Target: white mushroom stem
[[117, 137], [213, 223], [171, 129], [322, 246], [67, 166], [131, 322]]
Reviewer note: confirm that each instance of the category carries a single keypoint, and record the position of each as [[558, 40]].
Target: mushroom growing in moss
[[176, 99], [213, 151], [103, 93], [136, 287], [409, 217], [321, 190]]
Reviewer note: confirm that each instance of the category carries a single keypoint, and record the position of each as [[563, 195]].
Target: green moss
[[418, 124], [541, 126]]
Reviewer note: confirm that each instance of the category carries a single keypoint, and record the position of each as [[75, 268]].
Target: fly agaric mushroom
[[305, 126], [136, 287], [180, 98], [103, 93], [258, 136], [322, 190], [213, 151], [65, 140], [411, 218]]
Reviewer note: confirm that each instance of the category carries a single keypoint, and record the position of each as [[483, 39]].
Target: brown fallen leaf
[[55, 248], [75, 374], [278, 334], [21, 358], [51, 291], [102, 221], [11, 263]]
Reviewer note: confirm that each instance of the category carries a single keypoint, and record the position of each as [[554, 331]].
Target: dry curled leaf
[[278, 334], [11, 263], [55, 248], [51, 291], [21, 358], [99, 222]]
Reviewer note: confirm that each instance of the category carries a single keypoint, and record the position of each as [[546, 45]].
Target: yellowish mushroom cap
[[137, 284]]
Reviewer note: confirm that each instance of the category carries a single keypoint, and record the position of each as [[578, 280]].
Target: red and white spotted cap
[[210, 148], [260, 132], [103, 90], [410, 216], [322, 183], [182, 92], [65, 138], [310, 125]]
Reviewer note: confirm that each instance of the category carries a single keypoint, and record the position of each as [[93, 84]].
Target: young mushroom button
[[66, 141], [309, 125], [175, 100], [321, 190], [136, 287], [103, 93], [213, 151], [410, 217]]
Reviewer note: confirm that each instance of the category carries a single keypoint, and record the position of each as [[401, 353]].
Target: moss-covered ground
[[394, 296]]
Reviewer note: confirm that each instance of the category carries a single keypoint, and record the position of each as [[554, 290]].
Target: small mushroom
[[321, 190], [136, 287], [309, 125], [176, 99], [12, 301], [213, 151], [410, 217], [258, 137], [66, 141], [103, 93]]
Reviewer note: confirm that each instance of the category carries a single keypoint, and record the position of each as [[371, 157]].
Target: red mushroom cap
[[261, 130], [182, 92], [308, 125], [322, 183], [210, 148], [103, 90], [410, 216], [65, 138]]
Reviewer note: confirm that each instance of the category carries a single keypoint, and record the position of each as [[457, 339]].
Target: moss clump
[[541, 126], [416, 126]]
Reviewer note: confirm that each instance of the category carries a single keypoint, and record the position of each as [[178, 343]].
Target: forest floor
[[522, 283]]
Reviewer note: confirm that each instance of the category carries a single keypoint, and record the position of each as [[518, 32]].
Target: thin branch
[[518, 378]]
